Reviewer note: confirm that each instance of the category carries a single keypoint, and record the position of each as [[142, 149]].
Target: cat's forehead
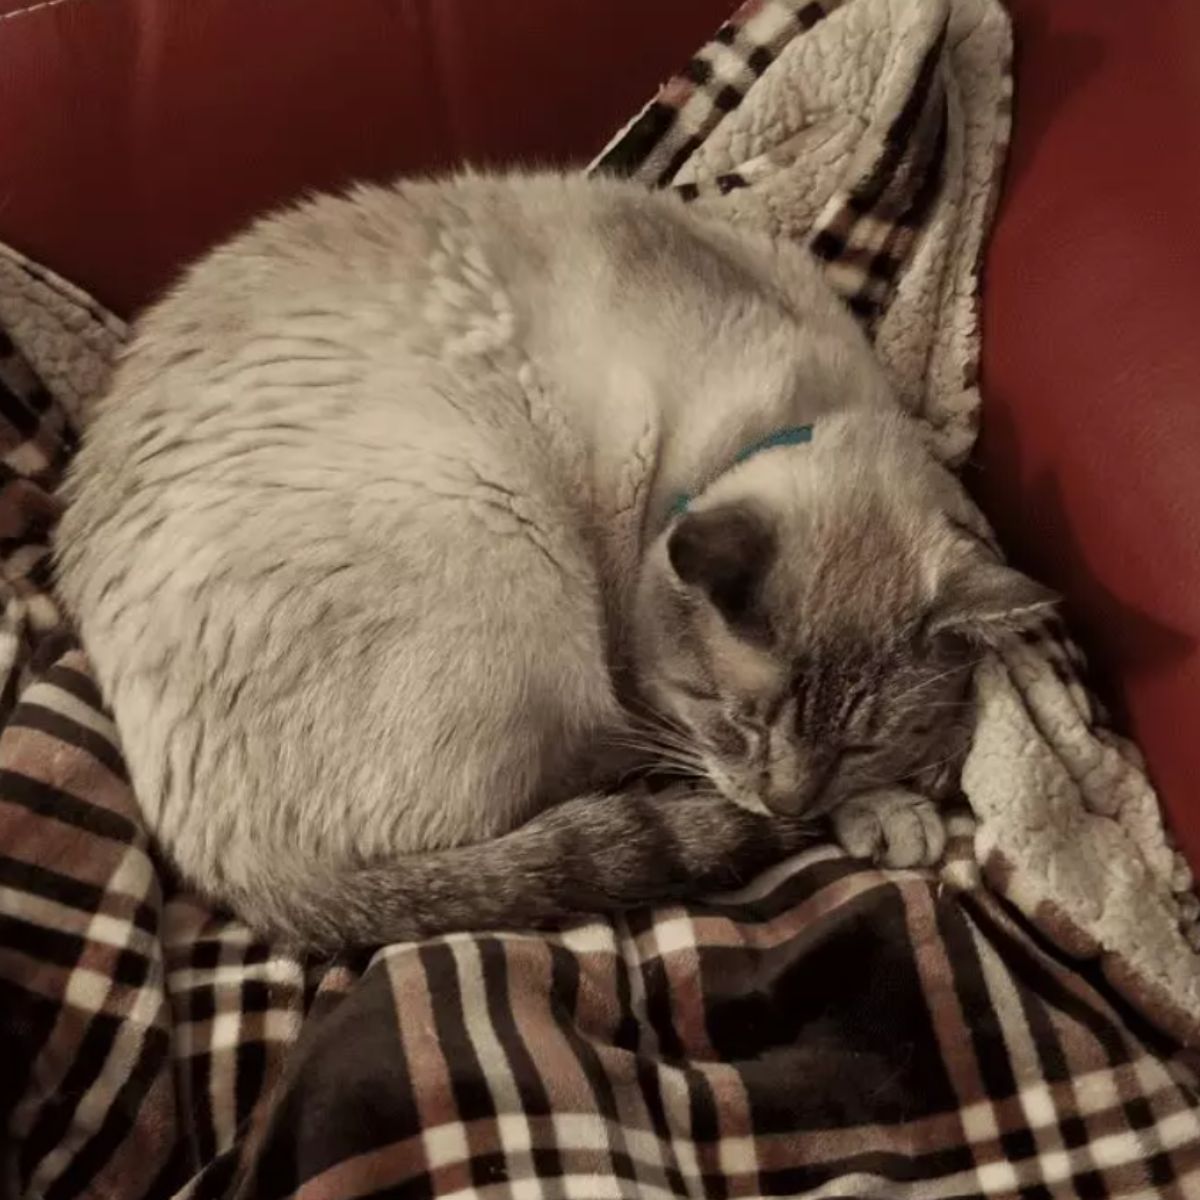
[[849, 598], [845, 652]]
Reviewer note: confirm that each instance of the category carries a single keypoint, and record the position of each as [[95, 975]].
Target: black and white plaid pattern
[[867, 229], [831, 1030], [673, 126]]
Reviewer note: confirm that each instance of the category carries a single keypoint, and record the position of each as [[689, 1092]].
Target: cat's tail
[[592, 855]]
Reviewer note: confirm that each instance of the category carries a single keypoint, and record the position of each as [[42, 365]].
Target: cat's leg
[[892, 827]]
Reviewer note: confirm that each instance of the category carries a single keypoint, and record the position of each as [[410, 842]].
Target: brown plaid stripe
[[867, 230], [868, 227], [673, 126], [828, 1031], [830, 1028]]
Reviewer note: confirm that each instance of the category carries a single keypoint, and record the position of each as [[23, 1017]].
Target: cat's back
[[316, 507], [423, 263], [322, 374], [453, 268], [330, 539], [324, 347]]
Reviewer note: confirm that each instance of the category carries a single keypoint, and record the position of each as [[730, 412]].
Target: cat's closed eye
[[727, 739], [859, 749], [699, 695]]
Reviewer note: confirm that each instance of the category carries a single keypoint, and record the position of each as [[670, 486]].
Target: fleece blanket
[[1025, 1023]]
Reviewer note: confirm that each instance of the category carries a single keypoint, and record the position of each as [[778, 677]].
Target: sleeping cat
[[414, 519]]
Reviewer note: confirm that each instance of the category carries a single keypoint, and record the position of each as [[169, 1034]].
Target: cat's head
[[812, 621]]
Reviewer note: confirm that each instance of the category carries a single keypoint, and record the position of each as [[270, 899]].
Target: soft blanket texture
[[832, 1030]]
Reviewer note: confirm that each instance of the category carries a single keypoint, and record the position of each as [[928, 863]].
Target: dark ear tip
[[1038, 599], [1051, 598], [685, 547], [710, 545], [725, 551], [992, 600]]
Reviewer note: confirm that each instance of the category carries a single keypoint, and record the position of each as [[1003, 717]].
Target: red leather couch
[[133, 133]]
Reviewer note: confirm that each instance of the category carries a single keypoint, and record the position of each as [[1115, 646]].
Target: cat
[[416, 517]]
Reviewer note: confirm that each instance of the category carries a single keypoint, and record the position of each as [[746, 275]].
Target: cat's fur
[[371, 544]]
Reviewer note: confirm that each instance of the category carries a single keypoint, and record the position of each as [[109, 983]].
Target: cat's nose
[[790, 801], [786, 804], [799, 793]]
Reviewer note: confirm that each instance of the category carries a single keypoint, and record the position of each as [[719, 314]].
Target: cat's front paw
[[892, 827]]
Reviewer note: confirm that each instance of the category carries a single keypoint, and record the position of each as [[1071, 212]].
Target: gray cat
[[414, 518]]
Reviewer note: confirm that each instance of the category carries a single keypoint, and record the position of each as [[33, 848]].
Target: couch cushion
[[138, 132], [1090, 456]]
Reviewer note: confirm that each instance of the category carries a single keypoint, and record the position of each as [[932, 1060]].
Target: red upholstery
[[136, 132], [1090, 455]]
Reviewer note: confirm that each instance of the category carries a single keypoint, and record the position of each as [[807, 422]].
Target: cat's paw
[[892, 827]]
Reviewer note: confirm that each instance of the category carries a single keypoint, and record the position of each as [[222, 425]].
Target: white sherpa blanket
[[912, 97], [830, 1029], [1068, 826]]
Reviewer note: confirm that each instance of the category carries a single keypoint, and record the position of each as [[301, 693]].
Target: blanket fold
[[1026, 1023]]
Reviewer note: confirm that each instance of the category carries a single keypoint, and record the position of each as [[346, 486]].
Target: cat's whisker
[[688, 748], [924, 685], [662, 751], [945, 761], [673, 766], [441, 476], [661, 724], [917, 688], [654, 746]]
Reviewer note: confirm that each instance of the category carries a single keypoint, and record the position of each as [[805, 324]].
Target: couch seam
[[33, 8]]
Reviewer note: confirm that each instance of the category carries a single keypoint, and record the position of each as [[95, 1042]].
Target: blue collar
[[795, 435]]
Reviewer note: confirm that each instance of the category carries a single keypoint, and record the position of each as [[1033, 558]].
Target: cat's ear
[[984, 600], [725, 552]]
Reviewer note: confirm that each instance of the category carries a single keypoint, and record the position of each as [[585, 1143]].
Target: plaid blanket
[[831, 1030]]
